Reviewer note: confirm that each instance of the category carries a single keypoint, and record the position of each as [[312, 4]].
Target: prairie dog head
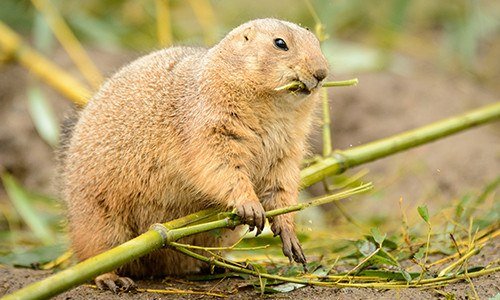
[[269, 53]]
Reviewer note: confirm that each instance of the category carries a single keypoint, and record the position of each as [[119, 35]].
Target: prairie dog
[[185, 129]]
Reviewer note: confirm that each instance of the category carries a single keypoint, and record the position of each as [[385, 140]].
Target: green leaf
[[290, 286], [262, 280], [406, 275], [293, 270], [24, 206], [217, 276], [33, 257], [387, 243], [388, 256], [383, 257], [42, 34], [386, 274], [43, 116], [424, 213], [496, 297], [472, 269], [420, 253], [366, 247], [377, 236]]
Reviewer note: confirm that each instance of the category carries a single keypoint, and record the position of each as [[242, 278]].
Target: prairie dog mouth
[[300, 88], [296, 86]]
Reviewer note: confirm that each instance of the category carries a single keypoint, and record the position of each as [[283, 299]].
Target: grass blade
[[424, 213], [43, 116], [24, 206]]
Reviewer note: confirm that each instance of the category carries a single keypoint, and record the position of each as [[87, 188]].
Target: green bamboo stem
[[460, 261], [343, 160], [432, 282], [90, 268], [317, 280], [349, 82], [157, 237], [104, 262], [69, 42], [231, 221], [12, 45], [163, 23], [248, 271], [327, 138]]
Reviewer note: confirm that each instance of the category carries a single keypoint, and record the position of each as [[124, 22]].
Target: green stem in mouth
[[297, 85], [349, 82], [293, 86]]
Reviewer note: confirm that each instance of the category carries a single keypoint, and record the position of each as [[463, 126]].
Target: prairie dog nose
[[320, 74]]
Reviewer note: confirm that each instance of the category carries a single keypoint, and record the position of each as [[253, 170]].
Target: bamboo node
[[162, 230], [341, 161]]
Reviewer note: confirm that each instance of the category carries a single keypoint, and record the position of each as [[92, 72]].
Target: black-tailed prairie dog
[[185, 129]]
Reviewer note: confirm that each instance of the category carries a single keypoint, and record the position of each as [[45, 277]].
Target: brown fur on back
[[184, 129]]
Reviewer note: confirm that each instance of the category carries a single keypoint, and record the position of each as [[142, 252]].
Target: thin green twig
[[298, 85]]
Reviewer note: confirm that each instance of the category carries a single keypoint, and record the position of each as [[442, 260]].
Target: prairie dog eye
[[280, 43]]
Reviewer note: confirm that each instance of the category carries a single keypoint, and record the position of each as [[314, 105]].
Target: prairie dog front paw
[[252, 213]]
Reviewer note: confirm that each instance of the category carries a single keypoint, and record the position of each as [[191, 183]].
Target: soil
[[384, 103], [486, 287]]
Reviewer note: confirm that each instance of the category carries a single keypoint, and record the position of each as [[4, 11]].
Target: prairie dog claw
[[253, 214], [114, 283]]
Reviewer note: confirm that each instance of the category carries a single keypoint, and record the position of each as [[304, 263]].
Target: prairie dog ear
[[248, 33]]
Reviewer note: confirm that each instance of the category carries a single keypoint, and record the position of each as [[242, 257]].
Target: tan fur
[[185, 129]]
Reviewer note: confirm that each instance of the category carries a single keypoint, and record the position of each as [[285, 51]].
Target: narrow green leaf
[[290, 286], [386, 274], [424, 213], [389, 244], [388, 256], [217, 276], [406, 275], [43, 116], [472, 269], [262, 280], [292, 270], [33, 257], [23, 204], [377, 236], [366, 247], [383, 258], [420, 253], [42, 34]]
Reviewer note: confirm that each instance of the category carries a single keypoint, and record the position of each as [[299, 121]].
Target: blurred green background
[[459, 35]]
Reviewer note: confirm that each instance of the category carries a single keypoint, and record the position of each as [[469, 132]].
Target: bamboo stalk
[[69, 42], [343, 160], [327, 137], [348, 82], [90, 268], [104, 262], [205, 15], [462, 259], [249, 272], [12, 45], [158, 236], [163, 23], [315, 280]]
